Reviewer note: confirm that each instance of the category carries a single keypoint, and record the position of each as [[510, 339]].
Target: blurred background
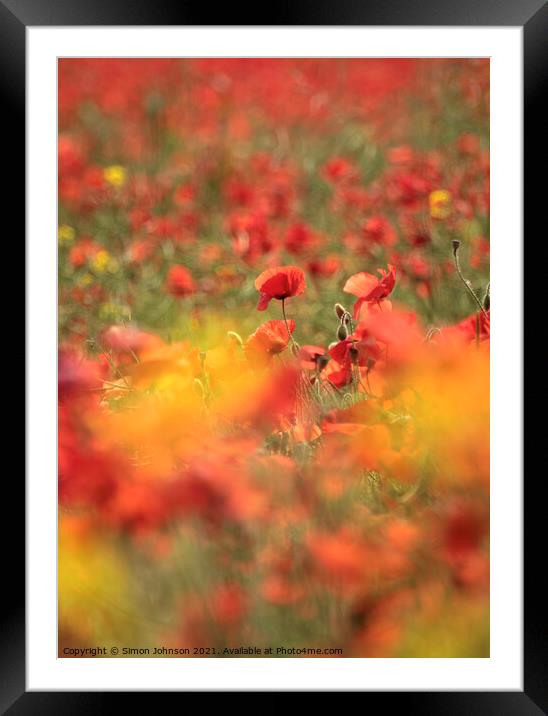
[[228, 166]]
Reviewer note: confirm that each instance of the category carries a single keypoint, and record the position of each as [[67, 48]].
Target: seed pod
[[354, 355], [342, 333], [487, 298], [456, 245]]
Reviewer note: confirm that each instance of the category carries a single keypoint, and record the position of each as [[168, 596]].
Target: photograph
[[273, 330]]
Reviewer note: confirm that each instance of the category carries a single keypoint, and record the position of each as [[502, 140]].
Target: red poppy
[[403, 154], [337, 375], [379, 230], [180, 282], [351, 350], [77, 375], [83, 251], [140, 250], [281, 282], [340, 558], [370, 289], [312, 357], [251, 236], [129, 339], [324, 268], [269, 339], [338, 168], [468, 143], [184, 195], [397, 329], [229, 604], [299, 238], [476, 327]]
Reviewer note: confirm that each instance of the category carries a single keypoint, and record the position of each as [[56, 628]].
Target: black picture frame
[[532, 16]]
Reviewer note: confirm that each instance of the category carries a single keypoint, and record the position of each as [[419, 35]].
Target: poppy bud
[[342, 333], [455, 244], [340, 310], [346, 318], [487, 298], [321, 362]]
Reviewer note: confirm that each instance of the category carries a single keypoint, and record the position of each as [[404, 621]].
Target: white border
[[503, 670]]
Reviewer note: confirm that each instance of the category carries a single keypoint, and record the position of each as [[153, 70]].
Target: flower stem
[[466, 283], [286, 324]]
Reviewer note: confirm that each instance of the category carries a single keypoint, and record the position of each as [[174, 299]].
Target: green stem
[[286, 324], [466, 283]]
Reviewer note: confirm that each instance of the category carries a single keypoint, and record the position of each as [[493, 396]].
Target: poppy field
[[273, 321]]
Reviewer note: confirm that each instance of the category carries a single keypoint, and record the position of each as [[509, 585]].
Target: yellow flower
[[100, 262], [115, 175], [440, 204], [85, 280], [66, 234]]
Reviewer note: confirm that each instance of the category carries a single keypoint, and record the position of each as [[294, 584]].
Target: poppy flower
[[121, 339], [324, 268], [277, 589], [379, 230], [313, 357], [468, 143], [268, 340], [82, 251], [179, 282], [299, 238], [400, 155], [281, 282], [463, 528], [363, 350], [473, 328], [77, 375], [370, 289], [250, 234], [229, 604], [391, 328], [337, 169], [340, 559], [338, 376]]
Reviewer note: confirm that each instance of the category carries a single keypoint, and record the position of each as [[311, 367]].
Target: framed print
[[274, 440]]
